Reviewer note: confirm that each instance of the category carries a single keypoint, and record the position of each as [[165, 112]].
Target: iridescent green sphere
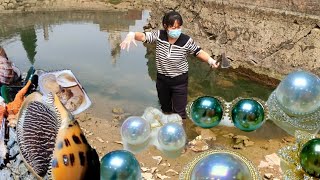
[[247, 115], [310, 157], [119, 164], [206, 112]]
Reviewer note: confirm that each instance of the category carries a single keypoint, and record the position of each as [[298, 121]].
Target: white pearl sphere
[[299, 93], [172, 137], [135, 130]]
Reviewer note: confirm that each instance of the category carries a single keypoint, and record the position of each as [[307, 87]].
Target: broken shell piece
[[154, 169], [158, 158], [66, 80], [206, 134], [172, 171], [147, 176], [160, 176], [118, 142], [144, 169], [198, 144]]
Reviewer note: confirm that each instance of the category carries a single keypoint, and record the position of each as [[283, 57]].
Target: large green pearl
[[206, 112], [119, 164], [247, 115], [310, 157]]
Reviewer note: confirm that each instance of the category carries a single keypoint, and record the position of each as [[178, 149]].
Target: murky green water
[[88, 44]]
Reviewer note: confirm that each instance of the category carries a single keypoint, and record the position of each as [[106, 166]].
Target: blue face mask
[[175, 33]]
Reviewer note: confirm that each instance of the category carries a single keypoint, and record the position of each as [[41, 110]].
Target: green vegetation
[[114, 1]]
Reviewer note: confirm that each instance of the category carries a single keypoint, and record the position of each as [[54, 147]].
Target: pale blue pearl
[[222, 166], [135, 130], [172, 137], [299, 93]]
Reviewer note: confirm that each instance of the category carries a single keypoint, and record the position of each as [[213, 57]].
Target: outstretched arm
[[131, 37], [204, 56]]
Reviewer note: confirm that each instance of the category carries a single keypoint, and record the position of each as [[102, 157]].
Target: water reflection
[[29, 42], [88, 44], [115, 40]]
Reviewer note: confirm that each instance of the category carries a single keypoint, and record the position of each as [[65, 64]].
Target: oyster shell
[[64, 95], [66, 80], [74, 102], [48, 83]]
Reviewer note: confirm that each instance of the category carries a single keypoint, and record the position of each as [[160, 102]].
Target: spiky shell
[[52, 143], [37, 128]]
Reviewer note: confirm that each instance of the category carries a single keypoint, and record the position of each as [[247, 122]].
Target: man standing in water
[[172, 49]]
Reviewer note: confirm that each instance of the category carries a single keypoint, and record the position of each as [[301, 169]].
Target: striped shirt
[[171, 59]]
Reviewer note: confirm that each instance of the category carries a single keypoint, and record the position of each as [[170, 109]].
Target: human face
[[174, 31]]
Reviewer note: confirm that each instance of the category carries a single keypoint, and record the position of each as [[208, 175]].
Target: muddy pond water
[[88, 44]]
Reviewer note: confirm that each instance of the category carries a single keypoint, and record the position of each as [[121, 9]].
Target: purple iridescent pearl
[[222, 166]]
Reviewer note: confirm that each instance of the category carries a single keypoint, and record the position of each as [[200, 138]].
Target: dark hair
[[170, 17]]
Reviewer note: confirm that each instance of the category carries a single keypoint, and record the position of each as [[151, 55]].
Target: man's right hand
[[213, 63], [126, 42]]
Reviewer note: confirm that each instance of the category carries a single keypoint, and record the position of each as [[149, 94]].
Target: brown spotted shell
[[73, 158]]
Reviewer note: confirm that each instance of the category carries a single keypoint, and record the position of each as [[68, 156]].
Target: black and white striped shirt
[[171, 59]]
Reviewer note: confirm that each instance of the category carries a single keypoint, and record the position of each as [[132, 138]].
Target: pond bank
[[269, 38]]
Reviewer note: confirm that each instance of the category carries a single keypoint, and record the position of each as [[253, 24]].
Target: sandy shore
[[104, 135]]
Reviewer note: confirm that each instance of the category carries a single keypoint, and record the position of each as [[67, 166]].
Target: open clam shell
[[66, 81], [48, 83]]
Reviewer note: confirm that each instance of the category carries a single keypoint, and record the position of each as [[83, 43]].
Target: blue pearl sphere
[[247, 115], [172, 137], [299, 93], [135, 130], [222, 166], [119, 164], [310, 157], [206, 112]]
